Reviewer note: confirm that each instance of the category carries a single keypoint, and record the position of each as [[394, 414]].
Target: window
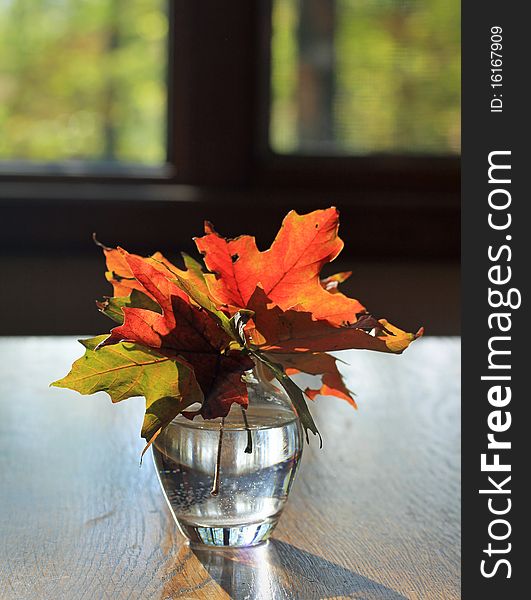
[[358, 77], [194, 108], [83, 80]]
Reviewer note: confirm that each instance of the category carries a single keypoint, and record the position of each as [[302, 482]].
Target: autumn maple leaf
[[125, 370], [300, 343], [294, 310], [166, 348], [119, 272], [188, 335], [124, 283], [288, 271], [295, 330], [318, 363], [185, 336]]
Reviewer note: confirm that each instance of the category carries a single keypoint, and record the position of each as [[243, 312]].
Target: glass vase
[[227, 480]]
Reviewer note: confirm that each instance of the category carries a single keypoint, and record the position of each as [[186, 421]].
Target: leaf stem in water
[[215, 485], [249, 447]]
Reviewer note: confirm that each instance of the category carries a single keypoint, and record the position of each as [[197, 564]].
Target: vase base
[[229, 537]]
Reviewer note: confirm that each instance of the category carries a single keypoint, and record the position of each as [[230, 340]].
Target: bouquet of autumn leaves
[[188, 336]]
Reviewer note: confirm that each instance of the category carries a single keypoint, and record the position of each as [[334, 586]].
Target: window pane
[[83, 79], [364, 76]]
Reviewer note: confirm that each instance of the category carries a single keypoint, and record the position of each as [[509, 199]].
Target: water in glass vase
[[255, 464]]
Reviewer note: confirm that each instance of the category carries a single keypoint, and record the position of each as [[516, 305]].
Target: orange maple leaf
[[288, 271]]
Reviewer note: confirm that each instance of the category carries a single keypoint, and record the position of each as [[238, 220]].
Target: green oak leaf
[[112, 307], [125, 370]]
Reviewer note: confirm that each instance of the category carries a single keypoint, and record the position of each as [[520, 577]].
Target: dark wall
[[54, 295]]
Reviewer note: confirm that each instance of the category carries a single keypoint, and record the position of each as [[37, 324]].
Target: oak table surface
[[373, 515]]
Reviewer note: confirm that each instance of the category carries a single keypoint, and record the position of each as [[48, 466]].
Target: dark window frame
[[219, 159]]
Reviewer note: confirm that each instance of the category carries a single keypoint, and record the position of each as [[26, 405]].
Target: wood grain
[[373, 515]]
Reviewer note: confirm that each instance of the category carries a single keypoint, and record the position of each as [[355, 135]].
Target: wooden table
[[374, 515]]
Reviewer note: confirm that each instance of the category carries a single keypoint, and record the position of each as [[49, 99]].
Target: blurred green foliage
[[86, 79], [395, 76], [83, 79]]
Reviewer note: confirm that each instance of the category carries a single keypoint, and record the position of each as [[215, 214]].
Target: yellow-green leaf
[[125, 370]]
